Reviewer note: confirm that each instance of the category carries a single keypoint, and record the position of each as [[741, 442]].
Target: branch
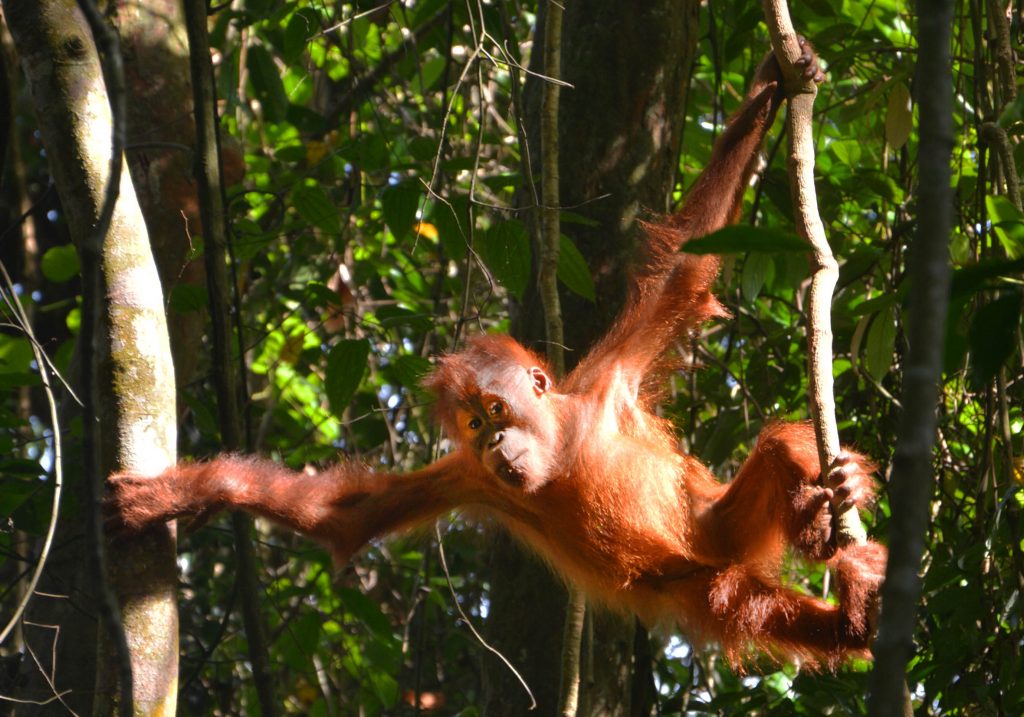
[[801, 92]]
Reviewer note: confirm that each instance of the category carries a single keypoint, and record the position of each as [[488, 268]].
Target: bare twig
[[469, 623]]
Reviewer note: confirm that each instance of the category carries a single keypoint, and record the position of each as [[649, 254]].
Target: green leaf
[[723, 438], [877, 303], [505, 249], [742, 238], [266, 83], [316, 293], [1008, 223], [60, 263], [294, 153], [366, 611], [303, 631], [14, 494], [846, 151], [899, 116], [881, 341], [400, 204], [410, 370], [573, 270], [391, 317], [992, 336], [186, 298], [15, 355], [1000, 209], [432, 70], [22, 468], [312, 204], [301, 26], [452, 222], [346, 364], [756, 271], [976, 277], [822, 8]]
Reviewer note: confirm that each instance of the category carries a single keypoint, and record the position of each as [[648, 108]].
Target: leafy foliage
[[378, 222]]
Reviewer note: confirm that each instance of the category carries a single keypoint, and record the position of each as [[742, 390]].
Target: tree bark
[[161, 141], [136, 413]]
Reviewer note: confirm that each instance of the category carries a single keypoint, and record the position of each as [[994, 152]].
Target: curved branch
[[801, 92]]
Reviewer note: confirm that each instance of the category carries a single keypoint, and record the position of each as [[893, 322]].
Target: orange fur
[[588, 476]]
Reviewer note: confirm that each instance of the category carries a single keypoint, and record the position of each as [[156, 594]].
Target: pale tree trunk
[[136, 384]]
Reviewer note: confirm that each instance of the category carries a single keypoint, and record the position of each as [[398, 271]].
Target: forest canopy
[[380, 167]]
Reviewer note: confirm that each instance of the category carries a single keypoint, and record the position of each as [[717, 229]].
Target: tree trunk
[[136, 413], [913, 480], [620, 127], [161, 139]]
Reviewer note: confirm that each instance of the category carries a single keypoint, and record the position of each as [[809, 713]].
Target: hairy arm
[[343, 507], [673, 292]]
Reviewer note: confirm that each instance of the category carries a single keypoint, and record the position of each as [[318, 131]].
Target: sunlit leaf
[[15, 354], [899, 116], [60, 263]]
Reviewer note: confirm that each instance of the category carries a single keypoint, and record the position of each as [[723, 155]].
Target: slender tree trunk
[[912, 476]]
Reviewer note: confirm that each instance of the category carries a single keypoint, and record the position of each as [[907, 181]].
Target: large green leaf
[[992, 336], [346, 364], [266, 83], [743, 238], [400, 204], [505, 249], [313, 205], [573, 270]]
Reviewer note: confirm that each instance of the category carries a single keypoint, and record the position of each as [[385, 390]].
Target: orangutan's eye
[[475, 423], [496, 408]]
